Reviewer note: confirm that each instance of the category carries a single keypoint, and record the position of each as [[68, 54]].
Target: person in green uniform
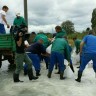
[[59, 49], [18, 21], [60, 32], [77, 44]]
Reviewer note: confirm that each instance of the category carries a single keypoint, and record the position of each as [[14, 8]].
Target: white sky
[[46, 14]]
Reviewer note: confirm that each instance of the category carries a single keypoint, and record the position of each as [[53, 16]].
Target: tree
[[68, 26], [93, 20]]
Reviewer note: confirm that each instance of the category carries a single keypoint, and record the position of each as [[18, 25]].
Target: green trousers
[[19, 59]]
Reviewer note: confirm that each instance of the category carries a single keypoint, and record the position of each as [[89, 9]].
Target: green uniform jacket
[[19, 21], [77, 45], [43, 37], [60, 34], [60, 45]]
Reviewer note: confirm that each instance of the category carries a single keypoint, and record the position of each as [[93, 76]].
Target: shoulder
[[3, 12]]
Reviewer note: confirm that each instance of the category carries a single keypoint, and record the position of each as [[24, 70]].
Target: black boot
[[30, 75], [47, 65], [78, 67], [16, 78], [71, 66], [61, 76], [79, 77], [49, 74], [38, 73]]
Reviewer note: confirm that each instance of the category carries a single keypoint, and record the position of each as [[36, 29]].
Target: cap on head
[[17, 14]]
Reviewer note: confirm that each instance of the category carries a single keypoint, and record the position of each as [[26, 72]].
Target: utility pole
[[25, 12]]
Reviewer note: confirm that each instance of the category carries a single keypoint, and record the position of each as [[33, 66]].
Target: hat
[[17, 14]]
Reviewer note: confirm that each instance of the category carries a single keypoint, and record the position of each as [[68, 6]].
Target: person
[[70, 50], [58, 51], [32, 36], [42, 36], [19, 21], [3, 19], [77, 44], [89, 54], [34, 51], [21, 57], [60, 32]]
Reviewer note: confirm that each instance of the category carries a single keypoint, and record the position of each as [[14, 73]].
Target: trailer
[[7, 48]]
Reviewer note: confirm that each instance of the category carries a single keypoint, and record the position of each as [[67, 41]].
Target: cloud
[[46, 13]]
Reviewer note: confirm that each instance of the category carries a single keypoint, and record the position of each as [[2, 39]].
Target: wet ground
[[47, 87]]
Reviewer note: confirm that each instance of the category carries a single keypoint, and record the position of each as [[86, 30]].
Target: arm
[[81, 46], [4, 19], [67, 52], [19, 42]]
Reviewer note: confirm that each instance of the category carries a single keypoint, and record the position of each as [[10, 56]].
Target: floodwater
[[47, 87]]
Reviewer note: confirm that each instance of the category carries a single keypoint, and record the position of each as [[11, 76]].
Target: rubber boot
[[61, 76], [71, 66], [79, 77], [47, 65], [30, 75], [38, 73], [78, 67], [16, 78], [49, 74]]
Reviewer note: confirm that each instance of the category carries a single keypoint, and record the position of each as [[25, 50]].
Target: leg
[[60, 58], [84, 61], [36, 62], [19, 65], [30, 71], [46, 59], [71, 66], [94, 62], [51, 65]]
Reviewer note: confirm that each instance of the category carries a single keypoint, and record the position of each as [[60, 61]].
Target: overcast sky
[[46, 14]]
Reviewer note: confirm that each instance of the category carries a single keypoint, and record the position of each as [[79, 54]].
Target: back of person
[[36, 48], [90, 41], [77, 43], [60, 34], [58, 45], [43, 37]]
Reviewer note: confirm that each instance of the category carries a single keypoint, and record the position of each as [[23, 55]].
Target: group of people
[[32, 54]]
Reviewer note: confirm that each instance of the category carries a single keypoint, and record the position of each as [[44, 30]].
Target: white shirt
[[2, 13]]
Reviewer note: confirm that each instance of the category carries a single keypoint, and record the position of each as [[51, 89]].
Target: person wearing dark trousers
[[21, 57], [34, 51], [58, 51], [71, 65], [89, 53], [46, 43]]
